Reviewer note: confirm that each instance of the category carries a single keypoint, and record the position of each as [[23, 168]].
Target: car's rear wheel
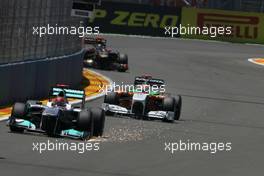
[[122, 68], [122, 59], [99, 121], [123, 62]]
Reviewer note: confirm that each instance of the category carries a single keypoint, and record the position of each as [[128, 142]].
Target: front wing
[[168, 115], [29, 126]]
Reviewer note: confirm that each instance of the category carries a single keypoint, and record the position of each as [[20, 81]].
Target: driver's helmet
[[60, 100], [101, 41], [147, 76], [101, 48]]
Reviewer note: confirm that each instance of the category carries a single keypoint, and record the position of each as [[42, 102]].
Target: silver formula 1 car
[[146, 103], [58, 117]]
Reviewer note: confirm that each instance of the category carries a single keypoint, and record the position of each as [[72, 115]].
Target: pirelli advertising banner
[[245, 27], [124, 18]]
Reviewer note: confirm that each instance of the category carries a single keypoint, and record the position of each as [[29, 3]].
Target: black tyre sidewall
[[99, 121], [85, 121], [178, 106], [111, 98], [168, 104], [19, 110], [123, 59]]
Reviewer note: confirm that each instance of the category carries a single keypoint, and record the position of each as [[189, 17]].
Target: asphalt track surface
[[223, 101]]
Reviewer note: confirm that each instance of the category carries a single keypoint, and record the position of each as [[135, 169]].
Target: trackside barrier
[[33, 79]]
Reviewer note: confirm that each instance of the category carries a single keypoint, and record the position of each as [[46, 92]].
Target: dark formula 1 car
[[97, 55], [147, 103], [58, 117]]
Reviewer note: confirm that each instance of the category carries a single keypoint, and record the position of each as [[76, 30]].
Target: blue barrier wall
[[33, 79]]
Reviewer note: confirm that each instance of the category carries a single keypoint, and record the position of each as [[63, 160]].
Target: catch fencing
[[17, 19], [30, 64]]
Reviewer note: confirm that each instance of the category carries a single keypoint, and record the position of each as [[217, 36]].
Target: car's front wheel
[[18, 111], [111, 98], [85, 121], [99, 121], [168, 104], [178, 106], [123, 63]]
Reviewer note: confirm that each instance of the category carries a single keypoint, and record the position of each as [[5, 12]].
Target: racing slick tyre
[[178, 106], [111, 98], [18, 111], [123, 62], [168, 104], [98, 116], [85, 121], [123, 59], [121, 68]]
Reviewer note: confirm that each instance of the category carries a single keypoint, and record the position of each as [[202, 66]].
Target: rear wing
[[93, 41], [156, 82], [151, 81], [69, 93], [140, 80]]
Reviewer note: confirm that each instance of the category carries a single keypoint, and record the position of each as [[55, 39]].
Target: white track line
[[252, 61]]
